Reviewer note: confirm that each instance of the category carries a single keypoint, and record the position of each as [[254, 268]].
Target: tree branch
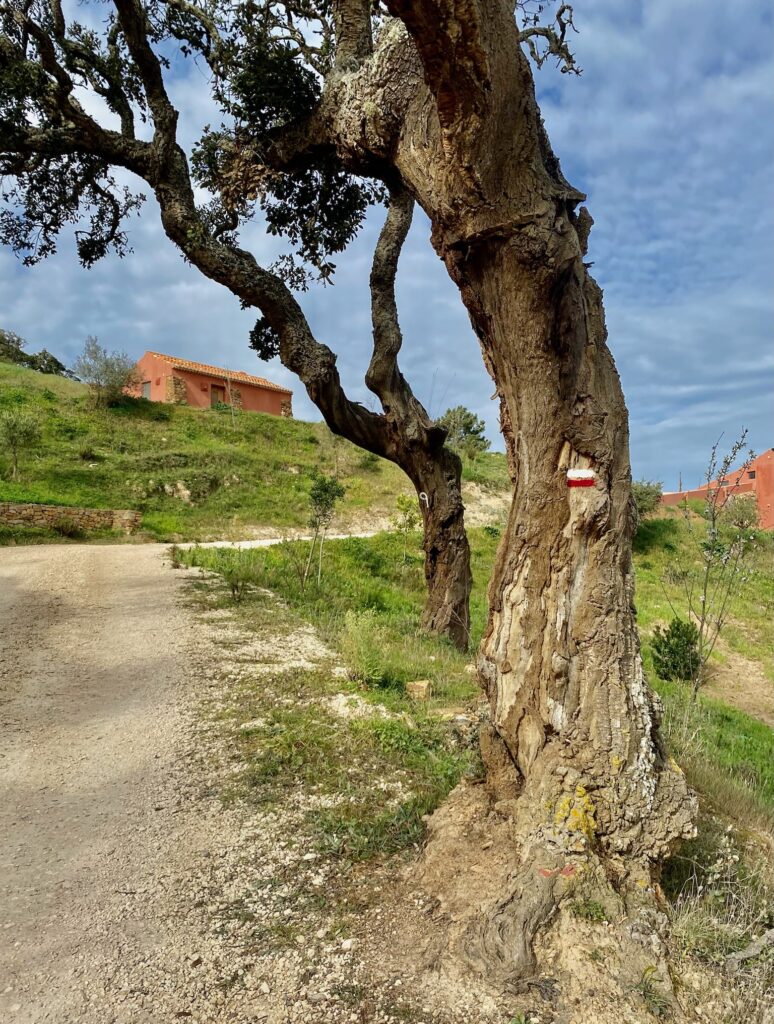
[[555, 38], [134, 24], [383, 375], [352, 27]]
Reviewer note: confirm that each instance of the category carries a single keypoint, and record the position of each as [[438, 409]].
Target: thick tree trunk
[[573, 750]]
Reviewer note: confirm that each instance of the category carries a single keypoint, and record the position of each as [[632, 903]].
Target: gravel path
[[92, 658]]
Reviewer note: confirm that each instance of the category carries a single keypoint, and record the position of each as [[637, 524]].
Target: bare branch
[[383, 374], [134, 24], [557, 45]]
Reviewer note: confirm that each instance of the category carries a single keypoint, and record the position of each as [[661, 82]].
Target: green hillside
[[194, 475]]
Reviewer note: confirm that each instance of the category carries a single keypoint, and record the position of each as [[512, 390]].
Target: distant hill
[[202, 475]]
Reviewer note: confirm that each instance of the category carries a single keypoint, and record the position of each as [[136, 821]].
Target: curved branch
[[557, 45], [383, 375], [134, 24]]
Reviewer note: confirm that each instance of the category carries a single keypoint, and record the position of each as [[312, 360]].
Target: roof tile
[[218, 371]]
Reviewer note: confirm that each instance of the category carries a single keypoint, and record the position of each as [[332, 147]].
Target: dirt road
[[92, 660]]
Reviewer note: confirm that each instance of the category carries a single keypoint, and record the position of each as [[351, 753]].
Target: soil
[[135, 892], [742, 683]]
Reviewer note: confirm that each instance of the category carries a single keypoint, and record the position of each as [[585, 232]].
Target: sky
[[670, 133]]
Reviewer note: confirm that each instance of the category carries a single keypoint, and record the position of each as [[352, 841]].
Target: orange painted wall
[[197, 387], [762, 486], [254, 399]]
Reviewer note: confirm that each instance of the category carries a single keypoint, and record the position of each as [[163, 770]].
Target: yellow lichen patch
[[575, 812], [615, 762], [675, 766]]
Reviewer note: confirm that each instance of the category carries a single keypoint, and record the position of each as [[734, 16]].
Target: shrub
[[363, 644], [492, 531], [325, 492], [465, 431], [676, 650], [741, 511], [67, 527], [369, 462], [20, 431], [405, 519], [647, 496], [108, 374]]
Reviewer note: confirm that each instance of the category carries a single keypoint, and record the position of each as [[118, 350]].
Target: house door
[[217, 394], [146, 385]]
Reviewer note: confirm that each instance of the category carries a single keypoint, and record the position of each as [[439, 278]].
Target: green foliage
[[465, 431], [262, 466], [269, 86], [726, 555], [656, 1000], [676, 650], [325, 492], [405, 519], [370, 462], [363, 645], [108, 374], [67, 527], [488, 470], [12, 351], [647, 496], [19, 432], [588, 909], [741, 511]]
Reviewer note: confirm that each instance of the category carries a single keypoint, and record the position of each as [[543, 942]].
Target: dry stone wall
[[55, 516]]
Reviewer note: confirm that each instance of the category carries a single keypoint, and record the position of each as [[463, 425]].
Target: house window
[[751, 474], [217, 394], [146, 385]]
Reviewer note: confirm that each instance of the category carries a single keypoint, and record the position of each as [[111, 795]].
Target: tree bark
[[416, 444], [573, 751], [436, 475]]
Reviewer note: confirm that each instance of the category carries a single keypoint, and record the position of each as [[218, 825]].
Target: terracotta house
[[183, 382], [757, 479]]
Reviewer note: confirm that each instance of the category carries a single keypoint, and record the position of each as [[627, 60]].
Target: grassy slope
[[369, 605], [256, 470]]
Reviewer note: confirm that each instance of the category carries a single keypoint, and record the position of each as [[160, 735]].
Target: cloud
[[670, 133]]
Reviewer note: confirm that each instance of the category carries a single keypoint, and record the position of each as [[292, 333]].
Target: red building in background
[[757, 479], [183, 382]]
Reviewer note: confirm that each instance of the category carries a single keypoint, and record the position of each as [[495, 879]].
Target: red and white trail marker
[[581, 477]]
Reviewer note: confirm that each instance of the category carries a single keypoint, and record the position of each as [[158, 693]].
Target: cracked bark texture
[[573, 749]]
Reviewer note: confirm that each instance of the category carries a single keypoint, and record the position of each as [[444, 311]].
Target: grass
[[369, 604], [253, 470], [661, 542], [367, 609]]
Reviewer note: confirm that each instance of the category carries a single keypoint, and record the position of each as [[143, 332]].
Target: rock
[[347, 945], [265, 988], [420, 689]]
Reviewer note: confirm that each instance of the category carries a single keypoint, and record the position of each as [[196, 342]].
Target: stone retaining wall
[[53, 516]]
